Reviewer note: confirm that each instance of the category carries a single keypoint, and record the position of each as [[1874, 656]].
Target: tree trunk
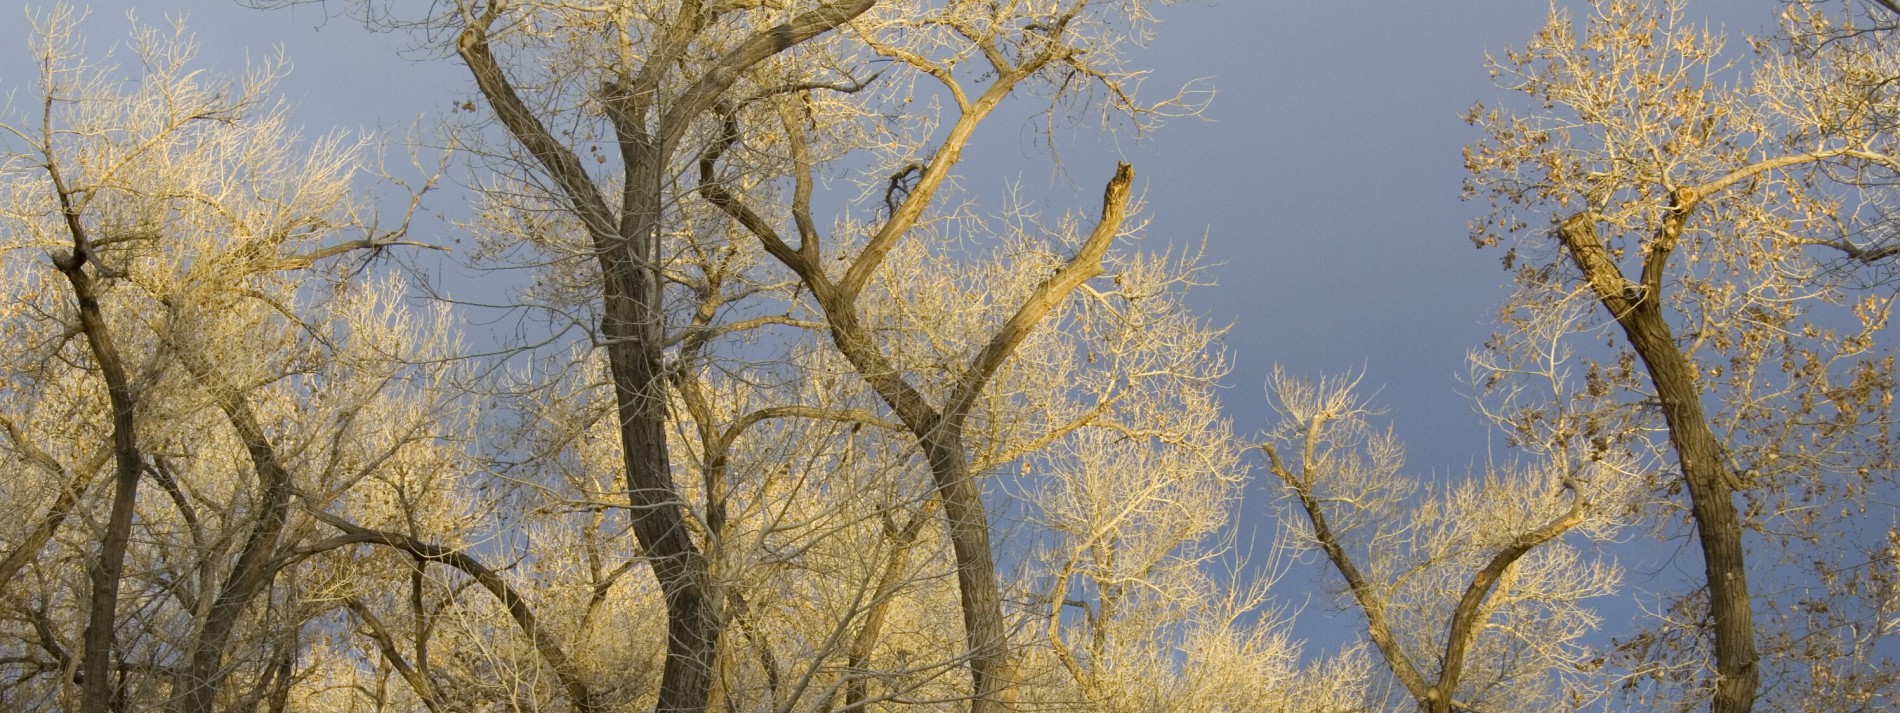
[[1638, 309], [939, 436], [634, 332], [633, 320], [252, 575], [95, 688], [633, 329], [984, 628]]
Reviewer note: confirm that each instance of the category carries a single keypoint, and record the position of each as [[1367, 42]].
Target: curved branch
[[1465, 619], [544, 641], [713, 84], [254, 570], [560, 162], [863, 416], [726, 202], [1377, 626], [1086, 264], [75, 484], [1752, 170], [866, 640], [1685, 199]]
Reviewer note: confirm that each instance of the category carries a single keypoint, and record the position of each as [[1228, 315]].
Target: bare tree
[[1150, 604], [1720, 222], [1014, 45], [654, 76], [1472, 593], [190, 224]]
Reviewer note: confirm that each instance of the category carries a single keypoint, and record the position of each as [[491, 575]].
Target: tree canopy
[[771, 401]]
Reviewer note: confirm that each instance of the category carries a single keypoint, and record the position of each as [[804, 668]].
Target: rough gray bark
[[626, 242]]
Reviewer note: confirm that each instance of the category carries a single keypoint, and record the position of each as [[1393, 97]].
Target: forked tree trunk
[[96, 689], [1638, 310], [625, 239], [938, 430]]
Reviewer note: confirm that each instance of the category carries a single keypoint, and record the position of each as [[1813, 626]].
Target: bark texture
[[626, 242], [1637, 308], [96, 693]]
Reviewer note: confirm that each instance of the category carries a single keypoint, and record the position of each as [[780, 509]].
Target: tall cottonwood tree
[[1723, 222], [827, 551], [651, 72], [632, 86], [227, 357], [975, 57]]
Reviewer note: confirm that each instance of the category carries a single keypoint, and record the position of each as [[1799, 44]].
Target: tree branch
[[726, 202], [1370, 604], [73, 486], [560, 163], [1465, 619], [518, 608], [394, 656], [254, 570], [1086, 264], [713, 84]]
